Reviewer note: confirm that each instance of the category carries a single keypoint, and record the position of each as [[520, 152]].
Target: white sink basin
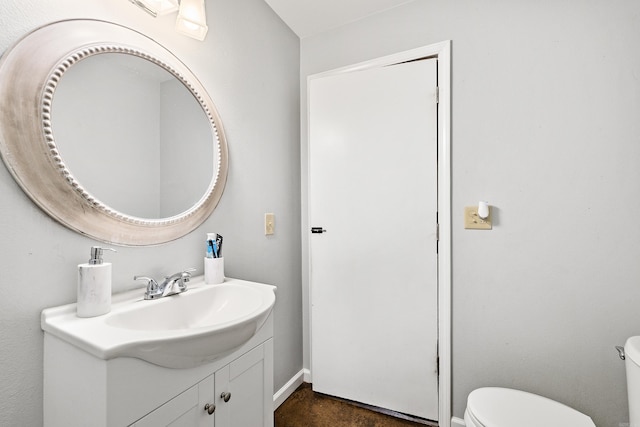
[[180, 331]]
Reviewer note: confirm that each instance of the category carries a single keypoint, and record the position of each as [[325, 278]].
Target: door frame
[[442, 52]]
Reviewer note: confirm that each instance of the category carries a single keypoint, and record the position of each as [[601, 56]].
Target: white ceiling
[[310, 17]]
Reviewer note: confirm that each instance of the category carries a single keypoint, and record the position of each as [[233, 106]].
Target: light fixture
[[192, 19], [157, 7]]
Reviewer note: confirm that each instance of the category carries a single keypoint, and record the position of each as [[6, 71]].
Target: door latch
[[318, 230]]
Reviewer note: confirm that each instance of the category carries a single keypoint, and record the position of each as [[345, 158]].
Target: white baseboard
[[287, 390], [307, 376], [459, 422]]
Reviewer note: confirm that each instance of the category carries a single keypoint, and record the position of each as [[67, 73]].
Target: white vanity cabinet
[[233, 396], [185, 409], [83, 390]]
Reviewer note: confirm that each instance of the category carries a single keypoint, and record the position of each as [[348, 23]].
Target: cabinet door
[[250, 401], [185, 410], [242, 393]]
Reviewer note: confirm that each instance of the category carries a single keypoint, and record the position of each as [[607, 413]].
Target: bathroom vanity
[[203, 357], [91, 382]]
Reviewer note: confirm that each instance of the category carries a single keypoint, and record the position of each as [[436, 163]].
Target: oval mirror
[[109, 133], [140, 121]]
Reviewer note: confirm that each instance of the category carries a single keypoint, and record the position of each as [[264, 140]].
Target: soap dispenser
[[94, 285]]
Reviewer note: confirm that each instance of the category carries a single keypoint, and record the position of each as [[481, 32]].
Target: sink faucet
[[171, 285]]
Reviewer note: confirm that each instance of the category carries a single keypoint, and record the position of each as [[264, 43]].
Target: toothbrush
[[210, 250], [218, 245]]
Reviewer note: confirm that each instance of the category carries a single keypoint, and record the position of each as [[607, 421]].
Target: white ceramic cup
[[213, 271]]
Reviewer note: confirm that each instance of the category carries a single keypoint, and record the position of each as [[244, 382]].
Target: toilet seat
[[503, 407]]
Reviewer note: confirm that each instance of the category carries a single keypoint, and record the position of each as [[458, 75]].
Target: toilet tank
[[632, 365]]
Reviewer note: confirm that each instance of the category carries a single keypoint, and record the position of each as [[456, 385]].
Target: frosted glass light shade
[[157, 7], [192, 19]]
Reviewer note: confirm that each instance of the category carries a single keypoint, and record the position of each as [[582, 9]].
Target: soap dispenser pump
[[94, 285]]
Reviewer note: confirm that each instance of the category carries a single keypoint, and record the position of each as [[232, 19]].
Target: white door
[[373, 188]]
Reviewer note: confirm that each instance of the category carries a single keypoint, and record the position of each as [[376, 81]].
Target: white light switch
[[269, 224]]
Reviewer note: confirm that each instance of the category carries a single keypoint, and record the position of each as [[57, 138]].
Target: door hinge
[[437, 94]]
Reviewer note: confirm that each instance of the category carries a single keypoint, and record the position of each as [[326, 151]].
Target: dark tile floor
[[304, 408]]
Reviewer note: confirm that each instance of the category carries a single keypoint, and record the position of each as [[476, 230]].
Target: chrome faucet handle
[[152, 286], [184, 278], [151, 283], [186, 274]]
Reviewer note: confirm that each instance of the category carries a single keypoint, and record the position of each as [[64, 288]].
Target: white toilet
[[504, 407], [632, 365]]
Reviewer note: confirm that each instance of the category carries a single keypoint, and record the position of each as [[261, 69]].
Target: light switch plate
[[473, 222], [269, 224]]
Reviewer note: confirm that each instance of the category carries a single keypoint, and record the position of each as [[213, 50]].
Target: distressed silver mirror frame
[[29, 73]]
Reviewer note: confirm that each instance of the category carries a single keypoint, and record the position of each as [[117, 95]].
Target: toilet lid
[[503, 407]]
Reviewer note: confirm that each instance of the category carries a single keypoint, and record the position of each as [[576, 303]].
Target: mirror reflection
[[133, 135]]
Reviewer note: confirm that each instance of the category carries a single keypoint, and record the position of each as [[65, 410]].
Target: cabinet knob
[[210, 408], [225, 396]]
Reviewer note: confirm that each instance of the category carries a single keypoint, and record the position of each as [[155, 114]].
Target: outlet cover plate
[[473, 222]]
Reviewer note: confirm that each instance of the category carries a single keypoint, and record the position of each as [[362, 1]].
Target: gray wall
[[546, 107], [249, 64], [185, 153]]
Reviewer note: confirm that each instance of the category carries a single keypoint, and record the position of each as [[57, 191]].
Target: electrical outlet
[[473, 222], [269, 224]]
